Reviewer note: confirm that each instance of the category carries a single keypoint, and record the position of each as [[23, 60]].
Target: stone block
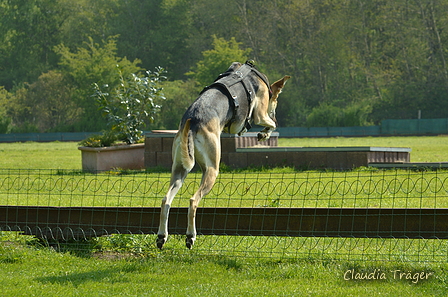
[[298, 160], [257, 159], [167, 144], [150, 159], [279, 159], [164, 159], [357, 159], [390, 157], [224, 158], [337, 160], [153, 144], [317, 160], [228, 144], [237, 160]]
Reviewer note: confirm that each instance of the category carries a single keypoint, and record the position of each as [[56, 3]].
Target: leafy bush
[[89, 63], [132, 104], [45, 105], [218, 60], [107, 138], [4, 120], [179, 95], [327, 115], [4, 125]]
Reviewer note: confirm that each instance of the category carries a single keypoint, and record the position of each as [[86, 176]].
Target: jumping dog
[[238, 97]]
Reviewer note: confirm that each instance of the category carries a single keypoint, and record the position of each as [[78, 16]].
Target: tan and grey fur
[[198, 139]]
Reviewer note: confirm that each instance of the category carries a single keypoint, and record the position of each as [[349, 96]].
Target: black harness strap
[[260, 75], [226, 80]]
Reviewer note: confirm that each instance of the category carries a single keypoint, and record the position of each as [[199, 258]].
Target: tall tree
[[28, 31], [52, 106], [89, 64], [156, 32], [218, 59]]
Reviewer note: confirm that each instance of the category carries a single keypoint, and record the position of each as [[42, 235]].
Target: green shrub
[[107, 138], [327, 115], [132, 104], [4, 125]]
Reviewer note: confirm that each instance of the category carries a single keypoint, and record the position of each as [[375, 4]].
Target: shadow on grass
[[77, 279]]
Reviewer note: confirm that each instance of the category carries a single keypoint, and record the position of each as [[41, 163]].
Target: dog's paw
[[160, 241], [189, 241], [263, 136]]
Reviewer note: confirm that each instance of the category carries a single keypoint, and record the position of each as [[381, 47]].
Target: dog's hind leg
[[208, 180], [208, 158], [177, 178], [183, 162]]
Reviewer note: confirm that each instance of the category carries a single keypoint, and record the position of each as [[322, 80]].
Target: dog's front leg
[[262, 118], [269, 125], [162, 234]]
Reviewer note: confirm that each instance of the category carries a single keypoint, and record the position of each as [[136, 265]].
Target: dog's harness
[[228, 80]]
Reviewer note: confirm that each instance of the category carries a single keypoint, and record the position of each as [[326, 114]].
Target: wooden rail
[[79, 222]]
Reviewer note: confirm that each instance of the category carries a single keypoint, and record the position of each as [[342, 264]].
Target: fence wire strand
[[369, 189]]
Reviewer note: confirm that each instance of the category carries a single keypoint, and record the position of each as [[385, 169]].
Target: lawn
[[43, 272], [40, 155], [65, 155], [131, 266], [424, 148]]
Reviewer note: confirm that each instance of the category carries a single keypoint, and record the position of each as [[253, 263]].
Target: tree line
[[352, 62]]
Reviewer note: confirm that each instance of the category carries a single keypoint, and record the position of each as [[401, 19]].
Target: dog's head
[[272, 92], [276, 89]]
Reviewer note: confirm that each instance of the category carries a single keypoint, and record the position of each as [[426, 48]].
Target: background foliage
[[134, 103], [358, 62]]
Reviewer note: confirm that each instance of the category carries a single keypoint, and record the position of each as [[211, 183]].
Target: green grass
[[130, 265], [424, 148], [44, 155], [65, 155], [34, 271]]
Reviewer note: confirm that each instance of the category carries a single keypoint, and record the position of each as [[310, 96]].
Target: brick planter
[[106, 158], [158, 146]]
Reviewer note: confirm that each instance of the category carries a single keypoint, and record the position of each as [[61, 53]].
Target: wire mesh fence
[[353, 215]]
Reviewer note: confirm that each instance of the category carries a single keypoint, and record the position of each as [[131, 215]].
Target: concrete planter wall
[[245, 151], [339, 158], [106, 158]]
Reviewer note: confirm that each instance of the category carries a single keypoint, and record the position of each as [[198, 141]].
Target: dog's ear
[[281, 82], [278, 85]]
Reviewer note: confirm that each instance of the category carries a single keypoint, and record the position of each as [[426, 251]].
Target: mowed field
[[114, 267], [65, 155], [424, 148]]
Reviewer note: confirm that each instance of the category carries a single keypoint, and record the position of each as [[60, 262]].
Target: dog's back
[[212, 112], [228, 102], [212, 105]]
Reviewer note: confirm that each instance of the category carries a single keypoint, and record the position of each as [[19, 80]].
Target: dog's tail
[[187, 146]]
